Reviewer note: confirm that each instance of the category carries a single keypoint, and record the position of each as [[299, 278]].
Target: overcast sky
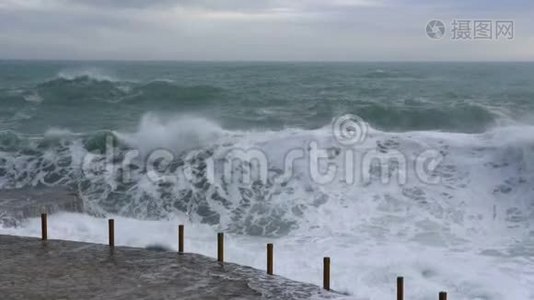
[[309, 30]]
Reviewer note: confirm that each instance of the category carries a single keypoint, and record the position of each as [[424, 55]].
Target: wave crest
[[497, 166]]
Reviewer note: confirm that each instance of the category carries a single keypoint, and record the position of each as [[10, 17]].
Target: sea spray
[[469, 233]]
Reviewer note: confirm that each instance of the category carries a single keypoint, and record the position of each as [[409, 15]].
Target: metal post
[[44, 229], [400, 288], [180, 238], [220, 247], [270, 258], [326, 273], [111, 227]]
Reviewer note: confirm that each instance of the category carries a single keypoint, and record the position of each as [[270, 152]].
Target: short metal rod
[[180, 238], [111, 228], [220, 247], [400, 288], [326, 273], [44, 229], [270, 258]]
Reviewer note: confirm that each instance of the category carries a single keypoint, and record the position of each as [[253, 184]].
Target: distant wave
[[86, 89], [385, 74], [93, 73], [94, 92], [462, 117]]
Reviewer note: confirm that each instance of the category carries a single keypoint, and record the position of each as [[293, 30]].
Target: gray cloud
[[123, 3], [232, 5], [250, 30]]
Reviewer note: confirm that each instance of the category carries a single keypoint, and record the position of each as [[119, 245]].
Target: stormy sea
[[438, 187]]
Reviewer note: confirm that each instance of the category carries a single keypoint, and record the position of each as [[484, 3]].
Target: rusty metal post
[[326, 273], [400, 288], [220, 247], [111, 227], [44, 229], [270, 257], [442, 296], [180, 238]]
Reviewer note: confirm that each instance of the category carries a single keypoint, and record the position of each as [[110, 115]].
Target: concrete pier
[[54, 269]]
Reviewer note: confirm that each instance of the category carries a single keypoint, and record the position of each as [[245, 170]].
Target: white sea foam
[[363, 267], [174, 134], [94, 73], [33, 98], [470, 235]]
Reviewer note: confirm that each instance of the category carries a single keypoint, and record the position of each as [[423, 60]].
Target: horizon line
[[260, 61]]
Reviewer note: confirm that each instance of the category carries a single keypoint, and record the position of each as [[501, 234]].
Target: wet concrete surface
[[54, 269]]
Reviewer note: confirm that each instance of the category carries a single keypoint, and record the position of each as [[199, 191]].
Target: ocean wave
[[96, 93], [484, 178], [79, 89], [92, 73], [85, 89], [458, 117], [383, 74]]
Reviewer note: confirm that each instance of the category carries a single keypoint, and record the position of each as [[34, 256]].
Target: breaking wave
[[485, 178], [88, 89], [94, 91]]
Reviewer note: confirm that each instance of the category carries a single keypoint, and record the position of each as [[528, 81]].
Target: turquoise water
[[92, 126], [85, 96]]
